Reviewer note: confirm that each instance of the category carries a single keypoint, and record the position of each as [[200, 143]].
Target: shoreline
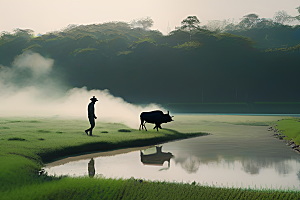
[[288, 130], [103, 147]]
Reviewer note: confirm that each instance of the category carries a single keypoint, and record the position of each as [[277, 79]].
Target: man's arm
[[94, 112]]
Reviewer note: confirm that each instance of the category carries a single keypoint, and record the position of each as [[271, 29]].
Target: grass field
[[27, 143], [290, 128]]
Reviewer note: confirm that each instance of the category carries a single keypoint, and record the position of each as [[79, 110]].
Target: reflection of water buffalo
[[157, 158], [156, 117]]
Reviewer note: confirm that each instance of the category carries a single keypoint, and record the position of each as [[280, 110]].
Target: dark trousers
[[92, 122]]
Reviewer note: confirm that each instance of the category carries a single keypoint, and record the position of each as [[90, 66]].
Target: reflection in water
[[254, 165], [157, 158], [298, 175], [91, 168], [233, 155], [244, 171], [283, 168], [250, 166], [191, 165]]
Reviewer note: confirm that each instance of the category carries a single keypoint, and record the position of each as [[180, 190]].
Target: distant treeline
[[247, 65]]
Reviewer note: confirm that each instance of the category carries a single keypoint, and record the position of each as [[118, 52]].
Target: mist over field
[[29, 89]]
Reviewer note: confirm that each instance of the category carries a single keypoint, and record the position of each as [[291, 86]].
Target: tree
[[144, 23], [190, 23], [282, 17], [217, 25], [6, 37], [69, 27], [264, 23], [298, 17], [27, 33], [248, 20]]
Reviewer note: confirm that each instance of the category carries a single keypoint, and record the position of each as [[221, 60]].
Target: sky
[[51, 15]]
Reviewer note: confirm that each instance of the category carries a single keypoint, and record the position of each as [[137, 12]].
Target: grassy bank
[[25, 144], [290, 128]]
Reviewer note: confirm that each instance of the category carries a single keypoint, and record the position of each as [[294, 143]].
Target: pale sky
[[49, 15]]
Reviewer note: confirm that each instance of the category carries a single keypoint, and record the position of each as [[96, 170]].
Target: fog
[[29, 88]]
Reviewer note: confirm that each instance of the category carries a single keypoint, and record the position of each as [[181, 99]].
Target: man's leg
[[87, 131], [92, 122]]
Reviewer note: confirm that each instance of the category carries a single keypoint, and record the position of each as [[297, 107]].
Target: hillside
[[280, 36], [144, 66]]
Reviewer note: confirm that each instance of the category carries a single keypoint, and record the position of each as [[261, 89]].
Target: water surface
[[233, 155]]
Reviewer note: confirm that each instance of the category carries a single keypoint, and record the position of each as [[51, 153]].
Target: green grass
[[44, 131], [103, 188], [16, 138], [20, 162], [124, 130], [290, 128], [104, 131], [4, 127], [253, 123]]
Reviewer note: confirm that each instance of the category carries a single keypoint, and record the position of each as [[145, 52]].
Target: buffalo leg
[[140, 127], [156, 126], [142, 124]]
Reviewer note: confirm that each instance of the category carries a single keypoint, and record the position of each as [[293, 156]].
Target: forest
[[253, 62]]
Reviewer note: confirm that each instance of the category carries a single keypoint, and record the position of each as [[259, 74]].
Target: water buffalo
[[157, 158], [156, 117]]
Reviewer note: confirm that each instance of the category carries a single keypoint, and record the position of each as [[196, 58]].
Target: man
[[91, 115]]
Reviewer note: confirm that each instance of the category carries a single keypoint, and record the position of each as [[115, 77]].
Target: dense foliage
[[249, 65]]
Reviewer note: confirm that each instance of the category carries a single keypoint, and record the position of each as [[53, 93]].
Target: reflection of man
[[91, 115], [91, 168]]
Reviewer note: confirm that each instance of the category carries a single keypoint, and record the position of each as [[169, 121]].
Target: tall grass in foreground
[[91, 188]]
